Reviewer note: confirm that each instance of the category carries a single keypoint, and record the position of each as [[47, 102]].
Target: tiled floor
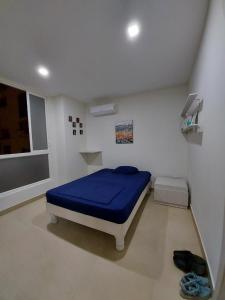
[[66, 261]]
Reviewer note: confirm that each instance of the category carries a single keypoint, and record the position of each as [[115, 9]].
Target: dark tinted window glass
[[19, 171], [14, 133]]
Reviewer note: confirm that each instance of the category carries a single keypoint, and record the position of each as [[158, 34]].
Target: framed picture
[[81, 132], [74, 132], [81, 125], [124, 132], [78, 120], [74, 124], [70, 119]]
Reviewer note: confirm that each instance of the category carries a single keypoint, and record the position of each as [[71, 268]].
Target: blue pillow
[[128, 170]]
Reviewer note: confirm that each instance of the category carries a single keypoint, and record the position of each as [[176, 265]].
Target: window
[[14, 129], [24, 154]]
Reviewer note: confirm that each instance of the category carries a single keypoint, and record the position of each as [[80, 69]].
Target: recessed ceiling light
[[43, 71], [133, 30]]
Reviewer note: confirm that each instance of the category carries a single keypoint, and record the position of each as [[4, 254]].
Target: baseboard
[[21, 204], [203, 248], [21, 195]]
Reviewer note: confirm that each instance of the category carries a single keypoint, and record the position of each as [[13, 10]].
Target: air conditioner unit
[[103, 110]]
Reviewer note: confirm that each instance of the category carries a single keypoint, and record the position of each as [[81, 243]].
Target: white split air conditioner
[[102, 110]]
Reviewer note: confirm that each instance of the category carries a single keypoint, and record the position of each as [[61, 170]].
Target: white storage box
[[171, 191]]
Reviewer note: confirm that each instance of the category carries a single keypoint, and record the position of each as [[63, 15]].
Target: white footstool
[[171, 191]]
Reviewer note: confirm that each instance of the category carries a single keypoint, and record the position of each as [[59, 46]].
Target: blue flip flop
[[192, 277], [194, 291]]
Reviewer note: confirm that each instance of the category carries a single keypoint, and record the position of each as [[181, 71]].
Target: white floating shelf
[[90, 151], [190, 128], [189, 103], [190, 99]]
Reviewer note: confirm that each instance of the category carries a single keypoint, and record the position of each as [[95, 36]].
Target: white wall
[[207, 161], [65, 147], [75, 165], [158, 144]]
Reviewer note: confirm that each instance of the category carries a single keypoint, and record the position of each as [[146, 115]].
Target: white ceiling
[[84, 45]]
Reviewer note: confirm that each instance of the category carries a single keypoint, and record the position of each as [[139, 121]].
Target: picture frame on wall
[[74, 132], [77, 120], [81, 125], [124, 132], [81, 132], [74, 124], [70, 118]]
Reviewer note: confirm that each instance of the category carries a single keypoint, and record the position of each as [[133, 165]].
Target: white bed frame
[[117, 230]]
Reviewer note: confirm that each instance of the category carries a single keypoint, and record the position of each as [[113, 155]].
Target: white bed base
[[117, 230]]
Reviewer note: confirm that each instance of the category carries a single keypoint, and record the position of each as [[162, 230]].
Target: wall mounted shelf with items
[[190, 113], [190, 127]]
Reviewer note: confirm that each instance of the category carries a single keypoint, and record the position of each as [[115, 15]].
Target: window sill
[[36, 152]]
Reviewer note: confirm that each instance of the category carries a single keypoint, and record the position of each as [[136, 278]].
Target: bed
[[105, 200]]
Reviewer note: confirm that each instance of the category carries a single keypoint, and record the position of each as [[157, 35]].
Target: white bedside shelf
[[90, 151]]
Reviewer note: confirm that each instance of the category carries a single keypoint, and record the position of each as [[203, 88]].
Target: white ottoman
[[171, 191]]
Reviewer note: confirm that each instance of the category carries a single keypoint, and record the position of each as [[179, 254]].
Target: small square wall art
[[124, 132]]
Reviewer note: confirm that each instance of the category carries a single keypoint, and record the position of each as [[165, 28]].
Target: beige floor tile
[[111, 281], [67, 261]]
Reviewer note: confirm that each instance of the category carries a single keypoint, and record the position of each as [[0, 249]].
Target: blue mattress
[[104, 194]]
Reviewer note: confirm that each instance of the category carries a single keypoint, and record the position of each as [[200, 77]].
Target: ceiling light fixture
[[43, 71], [133, 30]]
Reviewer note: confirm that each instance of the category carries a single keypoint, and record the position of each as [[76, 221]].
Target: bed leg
[[119, 243], [53, 219]]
